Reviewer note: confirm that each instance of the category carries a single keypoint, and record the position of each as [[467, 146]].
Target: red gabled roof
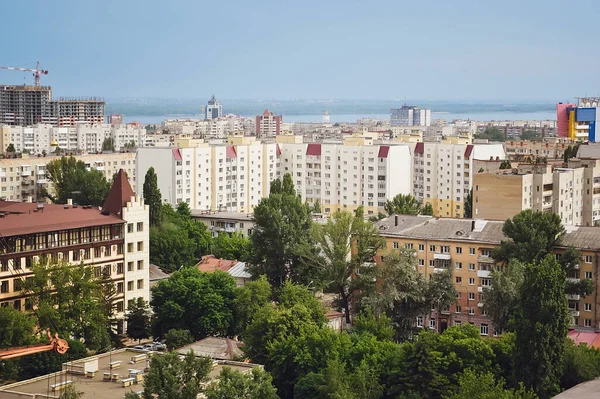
[[420, 148], [590, 338], [313, 149], [468, 151], [384, 150], [230, 152], [210, 263], [177, 154], [278, 150], [119, 195]]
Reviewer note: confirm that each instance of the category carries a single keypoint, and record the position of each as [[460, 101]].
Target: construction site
[[27, 105]]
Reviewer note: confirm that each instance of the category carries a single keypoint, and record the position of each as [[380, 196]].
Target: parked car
[[149, 347], [159, 346], [139, 347]]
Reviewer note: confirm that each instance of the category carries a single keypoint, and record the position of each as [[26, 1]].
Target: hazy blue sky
[[436, 50]]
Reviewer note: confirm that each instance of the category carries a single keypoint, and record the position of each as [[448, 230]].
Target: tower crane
[[56, 344], [36, 72]]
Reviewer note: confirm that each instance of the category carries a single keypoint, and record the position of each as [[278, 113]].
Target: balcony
[[439, 269], [574, 313], [485, 259], [479, 289], [484, 273], [573, 297], [572, 280], [442, 256]]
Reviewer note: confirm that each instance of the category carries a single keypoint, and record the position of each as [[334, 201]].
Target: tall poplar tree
[[152, 197]]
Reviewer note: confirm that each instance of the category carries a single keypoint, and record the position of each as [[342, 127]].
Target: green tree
[[234, 246], [170, 377], [316, 208], [404, 204], [427, 209], [202, 303], [491, 134], [138, 320], [469, 205], [175, 339], [69, 298], [501, 299], [183, 210], [485, 386], [234, 385], [71, 180], [16, 328], [581, 363], [570, 260], [505, 164], [11, 148], [367, 323], [571, 152], [282, 225], [343, 270], [541, 327], [108, 144], [152, 197], [249, 299], [532, 235], [530, 135]]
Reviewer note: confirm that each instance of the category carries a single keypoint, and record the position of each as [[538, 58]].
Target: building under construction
[[70, 111], [26, 105]]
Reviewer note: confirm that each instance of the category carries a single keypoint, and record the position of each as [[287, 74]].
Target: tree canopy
[[406, 204], [71, 180], [138, 320], [152, 197], [232, 384], [491, 134], [232, 246]]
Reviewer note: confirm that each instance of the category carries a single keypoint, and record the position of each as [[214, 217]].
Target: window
[[120, 288], [4, 286], [140, 226], [457, 323], [421, 247], [419, 321], [432, 248], [485, 282], [458, 265], [120, 249], [431, 263], [130, 247], [421, 262], [130, 227], [130, 286], [395, 245], [129, 266], [471, 296], [408, 246], [458, 280], [471, 251], [120, 268], [120, 306], [459, 250], [140, 284], [140, 264], [471, 281], [458, 309], [588, 259], [588, 307], [587, 323], [588, 275], [483, 329], [432, 324], [471, 311], [140, 245], [97, 252], [471, 266]]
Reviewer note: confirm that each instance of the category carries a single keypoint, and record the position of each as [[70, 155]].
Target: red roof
[[590, 338], [209, 264], [313, 149], [230, 152], [468, 151], [278, 150], [420, 148], [119, 195], [177, 154], [384, 150]]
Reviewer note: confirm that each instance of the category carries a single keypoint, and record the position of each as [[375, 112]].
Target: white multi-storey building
[[443, 173], [227, 177]]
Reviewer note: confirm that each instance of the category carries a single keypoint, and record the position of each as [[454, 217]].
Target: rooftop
[[222, 215], [120, 193], [209, 263], [215, 347], [156, 274]]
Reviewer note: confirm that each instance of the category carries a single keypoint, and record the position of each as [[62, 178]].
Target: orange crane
[[36, 72], [56, 344]]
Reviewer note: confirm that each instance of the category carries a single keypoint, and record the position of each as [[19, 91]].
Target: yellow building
[[464, 246]]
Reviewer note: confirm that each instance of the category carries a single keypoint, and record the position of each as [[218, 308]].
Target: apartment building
[[214, 109], [573, 193], [71, 111], [550, 148], [107, 240], [578, 122], [84, 137], [344, 175], [25, 105], [464, 247], [268, 124], [443, 173], [220, 177], [225, 222], [21, 179], [410, 115]]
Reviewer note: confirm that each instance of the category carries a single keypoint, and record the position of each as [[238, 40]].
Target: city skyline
[[449, 51]]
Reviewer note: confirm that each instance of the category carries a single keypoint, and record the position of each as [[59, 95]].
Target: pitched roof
[[384, 150], [239, 271], [156, 274], [215, 348], [230, 152], [210, 263], [590, 338], [313, 149], [176, 154], [468, 151], [420, 148], [120, 193]]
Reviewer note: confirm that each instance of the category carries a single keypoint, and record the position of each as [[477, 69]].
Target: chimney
[[70, 201], [395, 220], [472, 225]]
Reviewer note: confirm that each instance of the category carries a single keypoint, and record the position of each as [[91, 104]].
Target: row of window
[[445, 249]]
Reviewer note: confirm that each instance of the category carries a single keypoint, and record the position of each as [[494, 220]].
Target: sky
[[453, 50]]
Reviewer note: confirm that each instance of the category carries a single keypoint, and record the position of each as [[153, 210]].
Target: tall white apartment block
[[349, 174], [220, 177], [443, 173]]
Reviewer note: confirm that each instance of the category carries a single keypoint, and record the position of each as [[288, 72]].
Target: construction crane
[[36, 72], [56, 344]]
